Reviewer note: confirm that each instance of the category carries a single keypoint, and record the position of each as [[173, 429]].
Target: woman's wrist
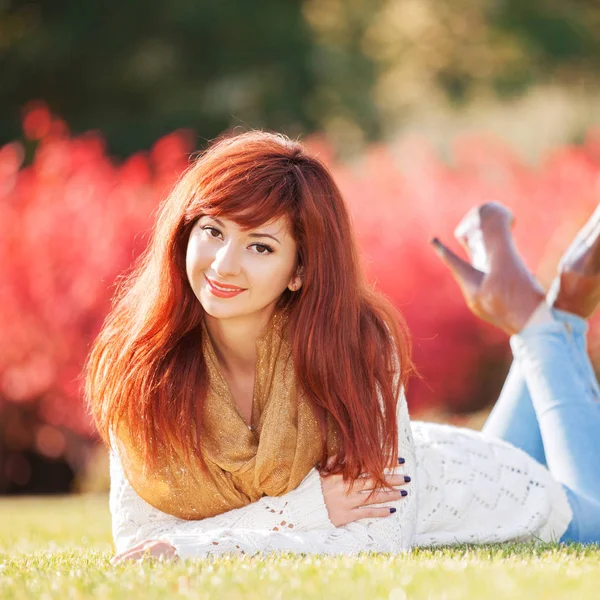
[[307, 504]]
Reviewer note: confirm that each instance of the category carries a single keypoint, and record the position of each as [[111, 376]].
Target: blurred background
[[422, 108]]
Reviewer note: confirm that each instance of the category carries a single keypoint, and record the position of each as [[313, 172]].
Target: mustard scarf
[[244, 464]]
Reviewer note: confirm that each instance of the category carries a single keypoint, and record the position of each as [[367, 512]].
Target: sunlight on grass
[[60, 548]]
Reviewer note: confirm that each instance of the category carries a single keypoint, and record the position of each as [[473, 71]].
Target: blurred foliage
[[357, 69], [72, 219], [126, 74], [137, 70], [427, 52]]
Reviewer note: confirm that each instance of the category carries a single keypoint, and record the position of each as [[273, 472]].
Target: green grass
[[61, 547]]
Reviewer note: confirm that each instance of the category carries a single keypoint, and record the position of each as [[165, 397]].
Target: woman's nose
[[227, 261]]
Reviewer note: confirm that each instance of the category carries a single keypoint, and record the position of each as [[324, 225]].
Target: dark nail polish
[[406, 479], [392, 510], [403, 493], [401, 461]]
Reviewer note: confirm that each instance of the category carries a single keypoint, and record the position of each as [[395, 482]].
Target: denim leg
[[566, 398], [513, 417]]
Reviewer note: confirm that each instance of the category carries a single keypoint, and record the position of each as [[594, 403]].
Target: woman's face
[[235, 272]]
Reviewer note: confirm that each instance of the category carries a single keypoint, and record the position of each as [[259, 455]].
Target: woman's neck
[[234, 340]]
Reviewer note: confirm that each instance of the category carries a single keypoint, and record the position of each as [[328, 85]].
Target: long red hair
[[145, 368]]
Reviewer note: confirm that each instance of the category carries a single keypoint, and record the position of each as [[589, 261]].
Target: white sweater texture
[[466, 488]]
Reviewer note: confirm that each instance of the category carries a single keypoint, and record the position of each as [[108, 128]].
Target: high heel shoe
[[497, 285], [576, 288]]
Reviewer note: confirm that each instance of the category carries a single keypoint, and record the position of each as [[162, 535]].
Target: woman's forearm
[[297, 520], [393, 534], [135, 520]]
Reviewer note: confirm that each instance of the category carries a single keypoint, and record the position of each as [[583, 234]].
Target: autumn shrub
[[72, 220]]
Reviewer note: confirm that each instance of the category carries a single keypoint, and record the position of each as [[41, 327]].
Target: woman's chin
[[222, 308], [219, 308], [220, 312]]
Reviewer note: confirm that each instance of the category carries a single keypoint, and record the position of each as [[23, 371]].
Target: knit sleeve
[[295, 522], [135, 520]]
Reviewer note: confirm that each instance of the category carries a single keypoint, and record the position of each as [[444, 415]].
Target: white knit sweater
[[466, 488]]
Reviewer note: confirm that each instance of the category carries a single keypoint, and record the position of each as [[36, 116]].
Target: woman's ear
[[296, 281]]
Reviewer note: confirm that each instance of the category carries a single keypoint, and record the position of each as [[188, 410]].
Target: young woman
[[250, 382]]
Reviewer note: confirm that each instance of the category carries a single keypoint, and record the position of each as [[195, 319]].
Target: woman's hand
[[344, 506], [158, 549]]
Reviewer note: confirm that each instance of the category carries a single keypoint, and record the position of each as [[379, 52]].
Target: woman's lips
[[223, 291]]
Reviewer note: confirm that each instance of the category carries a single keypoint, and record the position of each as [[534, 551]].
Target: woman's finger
[[368, 512], [147, 553], [132, 554], [398, 479], [119, 558], [363, 483], [364, 498], [141, 550], [127, 553], [368, 483]]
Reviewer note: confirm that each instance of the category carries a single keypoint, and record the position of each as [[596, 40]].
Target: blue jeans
[[550, 408]]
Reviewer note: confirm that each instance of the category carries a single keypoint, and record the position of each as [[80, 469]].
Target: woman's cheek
[[268, 278]]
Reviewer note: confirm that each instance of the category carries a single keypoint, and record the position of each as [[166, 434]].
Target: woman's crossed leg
[[550, 403]]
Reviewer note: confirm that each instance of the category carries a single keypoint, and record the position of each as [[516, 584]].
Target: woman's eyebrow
[[252, 235], [257, 235]]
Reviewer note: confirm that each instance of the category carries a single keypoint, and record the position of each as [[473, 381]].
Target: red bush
[[72, 220]]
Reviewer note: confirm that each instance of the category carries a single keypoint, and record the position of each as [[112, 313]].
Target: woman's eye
[[212, 231], [262, 248]]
